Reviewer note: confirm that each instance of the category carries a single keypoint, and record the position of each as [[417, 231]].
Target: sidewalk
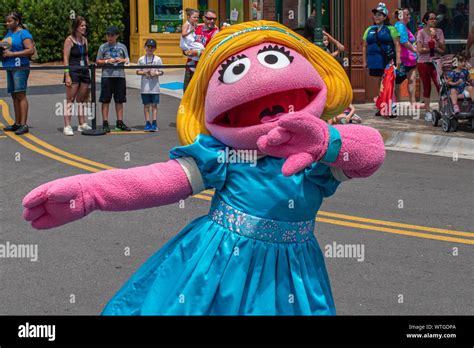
[[405, 133]]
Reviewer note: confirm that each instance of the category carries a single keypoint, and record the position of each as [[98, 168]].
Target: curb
[[429, 144]]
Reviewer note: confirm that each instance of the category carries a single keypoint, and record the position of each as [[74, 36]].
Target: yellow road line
[[48, 146], [396, 224], [395, 231], [50, 155], [206, 198], [207, 194], [372, 221], [3, 136]]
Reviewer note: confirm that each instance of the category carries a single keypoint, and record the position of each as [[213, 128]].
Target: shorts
[[461, 90], [150, 99], [404, 70], [17, 81], [113, 86], [376, 72], [80, 76]]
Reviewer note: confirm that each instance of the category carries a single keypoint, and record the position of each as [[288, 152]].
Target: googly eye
[[234, 69], [274, 57]]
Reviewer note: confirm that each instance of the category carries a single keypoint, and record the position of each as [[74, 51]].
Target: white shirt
[[150, 85]]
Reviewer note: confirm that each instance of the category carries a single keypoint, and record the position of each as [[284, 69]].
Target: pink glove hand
[[55, 203], [301, 138], [65, 200]]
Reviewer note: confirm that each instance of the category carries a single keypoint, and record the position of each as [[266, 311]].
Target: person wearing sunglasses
[[430, 45], [204, 33]]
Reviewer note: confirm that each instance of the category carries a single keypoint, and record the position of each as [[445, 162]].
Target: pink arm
[[65, 200], [362, 151]]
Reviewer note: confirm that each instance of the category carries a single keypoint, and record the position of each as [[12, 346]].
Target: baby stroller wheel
[[436, 118], [449, 124]]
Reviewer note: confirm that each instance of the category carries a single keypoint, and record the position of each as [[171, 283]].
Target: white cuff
[[193, 173], [339, 175]]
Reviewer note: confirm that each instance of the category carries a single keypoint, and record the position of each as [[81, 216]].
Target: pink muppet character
[[252, 125]]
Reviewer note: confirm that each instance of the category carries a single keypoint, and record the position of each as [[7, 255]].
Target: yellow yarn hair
[[190, 118]]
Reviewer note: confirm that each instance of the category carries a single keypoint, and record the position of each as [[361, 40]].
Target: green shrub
[[49, 21]]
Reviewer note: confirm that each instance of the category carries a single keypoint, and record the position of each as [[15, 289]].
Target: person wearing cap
[[381, 43], [113, 81], [150, 84]]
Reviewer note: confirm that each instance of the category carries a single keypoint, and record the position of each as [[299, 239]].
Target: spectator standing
[[408, 54], [430, 45], [204, 34], [150, 85], [113, 81], [77, 81], [381, 44], [18, 48]]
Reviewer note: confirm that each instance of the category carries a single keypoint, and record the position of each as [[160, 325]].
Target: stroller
[[449, 120]]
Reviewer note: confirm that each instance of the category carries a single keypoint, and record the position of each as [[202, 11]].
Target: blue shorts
[[150, 99], [17, 81]]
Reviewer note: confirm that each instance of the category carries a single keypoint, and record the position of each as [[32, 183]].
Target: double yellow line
[[377, 225], [43, 148]]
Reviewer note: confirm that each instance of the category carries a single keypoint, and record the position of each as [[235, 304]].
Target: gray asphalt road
[[81, 265]]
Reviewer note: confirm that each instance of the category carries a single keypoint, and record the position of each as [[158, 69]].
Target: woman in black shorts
[[77, 80]]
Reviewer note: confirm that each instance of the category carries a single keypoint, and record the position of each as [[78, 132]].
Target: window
[[453, 19], [167, 16]]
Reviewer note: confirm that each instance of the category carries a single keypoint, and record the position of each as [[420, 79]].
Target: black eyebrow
[[279, 49]]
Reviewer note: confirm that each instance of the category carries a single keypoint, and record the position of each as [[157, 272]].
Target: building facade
[[346, 20]]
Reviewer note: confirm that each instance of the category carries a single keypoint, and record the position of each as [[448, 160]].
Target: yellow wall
[[168, 44]]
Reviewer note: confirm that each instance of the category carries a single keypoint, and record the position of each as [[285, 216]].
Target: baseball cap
[[113, 30], [382, 8], [150, 42]]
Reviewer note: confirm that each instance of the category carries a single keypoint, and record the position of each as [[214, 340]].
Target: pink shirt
[[422, 38]]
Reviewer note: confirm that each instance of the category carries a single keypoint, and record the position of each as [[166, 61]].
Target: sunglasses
[[432, 19], [211, 18]]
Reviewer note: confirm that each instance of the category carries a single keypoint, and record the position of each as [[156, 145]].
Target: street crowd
[[384, 44]]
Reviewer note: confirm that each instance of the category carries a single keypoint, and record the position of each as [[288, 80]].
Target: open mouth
[[267, 109]]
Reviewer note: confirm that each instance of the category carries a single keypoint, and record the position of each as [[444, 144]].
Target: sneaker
[[83, 127], [456, 109], [147, 127], [154, 127], [428, 116], [120, 126], [68, 131], [13, 128], [22, 130], [105, 127]]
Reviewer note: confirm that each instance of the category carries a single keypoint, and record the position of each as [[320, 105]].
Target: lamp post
[[318, 30]]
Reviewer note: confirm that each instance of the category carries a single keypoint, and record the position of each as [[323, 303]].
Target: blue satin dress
[[255, 253]]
